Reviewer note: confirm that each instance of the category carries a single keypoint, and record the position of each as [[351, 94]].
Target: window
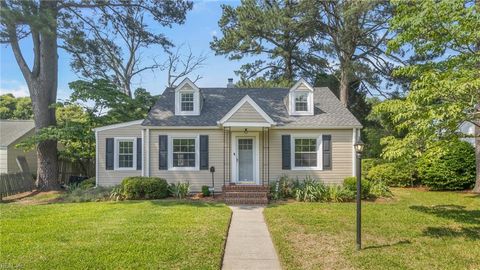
[[125, 153], [305, 152], [301, 102], [183, 152], [186, 102]]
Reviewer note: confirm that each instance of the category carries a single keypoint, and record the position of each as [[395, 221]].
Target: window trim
[[181, 88], [293, 102], [197, 152], [116, 153], [181, 93], [318, 137]]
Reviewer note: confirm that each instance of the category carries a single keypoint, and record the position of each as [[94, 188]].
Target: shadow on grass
[[399, 243], [471, 233], [454, 212], [173, 202]]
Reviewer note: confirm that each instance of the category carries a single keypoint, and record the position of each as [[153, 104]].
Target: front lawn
[[417, 230], [113, 235]]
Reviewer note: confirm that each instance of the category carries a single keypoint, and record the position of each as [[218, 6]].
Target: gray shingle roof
[[329, 112], [11, 130]]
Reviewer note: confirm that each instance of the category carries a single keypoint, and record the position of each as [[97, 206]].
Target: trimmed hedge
[[449, 167], [393, 174], [144, 188], [350, 183], [88, 183]]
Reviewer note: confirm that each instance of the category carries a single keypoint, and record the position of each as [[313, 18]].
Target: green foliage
[[117, 193], [350, 183], [448, 166], [380, 190], [369, 163], [337, 193], [271, 33], [393, 174], [281, 189], [76, 193], [15, 108], [310, 190], [88, 183], [179, 190], [206, 191], [144, 188], [444, 88]]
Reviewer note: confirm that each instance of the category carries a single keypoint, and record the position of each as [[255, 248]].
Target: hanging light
[[245, 131]]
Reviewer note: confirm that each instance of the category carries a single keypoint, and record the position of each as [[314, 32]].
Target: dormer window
[[187, 102], [301, 102], [187, 98], [301, 99]]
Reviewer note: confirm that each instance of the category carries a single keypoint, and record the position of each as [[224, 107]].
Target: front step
[[245, 194]]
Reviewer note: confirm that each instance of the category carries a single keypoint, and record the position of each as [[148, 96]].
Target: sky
[[197, 32]]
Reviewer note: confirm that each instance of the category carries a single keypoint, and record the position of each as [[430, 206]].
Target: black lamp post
[[359, 145]]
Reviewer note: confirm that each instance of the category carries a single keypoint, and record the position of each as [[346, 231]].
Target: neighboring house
[[250, 135], [13, 132]]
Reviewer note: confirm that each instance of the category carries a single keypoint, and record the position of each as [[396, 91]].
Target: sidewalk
[[249, 245]]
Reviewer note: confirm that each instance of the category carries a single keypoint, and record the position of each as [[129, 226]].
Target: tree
[[353, 35], [275, 30], [15, 108], [262, 83], [47, 22], [109, 44], [445, 91], [181, 65]]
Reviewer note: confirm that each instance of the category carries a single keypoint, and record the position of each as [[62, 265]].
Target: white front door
[[245, 159]]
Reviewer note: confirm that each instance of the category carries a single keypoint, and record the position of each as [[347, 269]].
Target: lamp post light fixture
[[359, 146]]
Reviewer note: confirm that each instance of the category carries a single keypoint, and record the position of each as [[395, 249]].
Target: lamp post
[[359, 145]]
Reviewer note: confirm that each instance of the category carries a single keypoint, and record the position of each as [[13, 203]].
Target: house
[[13, 132], [251, 136]]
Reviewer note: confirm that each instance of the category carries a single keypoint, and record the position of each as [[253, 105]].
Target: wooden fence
[[14, 183]]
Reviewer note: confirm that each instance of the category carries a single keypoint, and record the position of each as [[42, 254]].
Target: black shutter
[[286, 152], [139, 153], [163, 152], [109, 153], [327, 152], [203, 152]]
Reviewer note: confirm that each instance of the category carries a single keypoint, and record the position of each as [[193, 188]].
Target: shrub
[[206, 191], [380, 189], [350, 183], [309, 190], [117, 193], [88, 183], [369, 163], [179, 190], [337, 193], [144, 188], [86, 195], [448, 167], [281, 189], [392, 174]]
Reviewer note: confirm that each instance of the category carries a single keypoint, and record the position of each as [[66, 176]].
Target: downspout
[[147, 152], [96, 158], [143, 152]]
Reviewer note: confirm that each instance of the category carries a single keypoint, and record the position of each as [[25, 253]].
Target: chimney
[[230, 83]]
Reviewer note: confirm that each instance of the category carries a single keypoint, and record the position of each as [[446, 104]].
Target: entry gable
[[246, 111]]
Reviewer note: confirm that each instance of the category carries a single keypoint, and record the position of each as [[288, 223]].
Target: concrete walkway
[[249, 245]]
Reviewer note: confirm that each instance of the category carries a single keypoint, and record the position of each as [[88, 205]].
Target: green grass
[[113, 235], [417, 230]]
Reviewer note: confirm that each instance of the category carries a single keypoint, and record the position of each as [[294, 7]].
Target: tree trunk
[[344, 83], [476, 189]]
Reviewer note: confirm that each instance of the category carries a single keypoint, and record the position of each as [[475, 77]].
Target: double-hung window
[[301, 102], [186, 102], [184, 153], [306, 152], [125, 156]]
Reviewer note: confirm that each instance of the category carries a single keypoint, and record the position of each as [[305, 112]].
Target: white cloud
[[17, 91]]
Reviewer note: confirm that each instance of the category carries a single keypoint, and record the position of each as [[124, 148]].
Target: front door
[[245, 160]]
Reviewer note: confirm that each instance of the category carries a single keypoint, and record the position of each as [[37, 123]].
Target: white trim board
[[119, 125], [244, 100]]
